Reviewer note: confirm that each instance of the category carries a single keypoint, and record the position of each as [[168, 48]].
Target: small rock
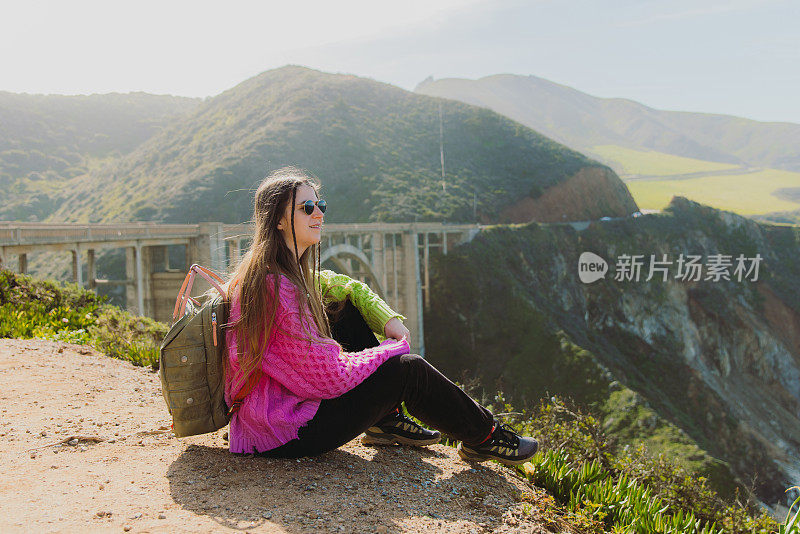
[[136, 515], [102, 487], [82, 448], [43, 433], [162, 516], [73, 441], [267, 515], [33, 455], [126, 528]]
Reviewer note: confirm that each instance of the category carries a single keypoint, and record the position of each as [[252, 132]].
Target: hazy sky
[[739, 57]]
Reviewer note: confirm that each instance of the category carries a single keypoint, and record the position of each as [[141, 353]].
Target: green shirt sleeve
[[337, 287]]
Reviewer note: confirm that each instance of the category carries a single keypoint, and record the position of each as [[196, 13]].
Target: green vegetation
[[600, 485], [44, 309], [375, 148], [746, 194], [48, 140], [651, 163], [626, 489], [792, 523]]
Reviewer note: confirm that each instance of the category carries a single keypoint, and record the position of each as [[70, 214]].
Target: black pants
[[428, 396]]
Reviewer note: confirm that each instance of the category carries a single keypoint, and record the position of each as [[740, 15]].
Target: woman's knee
[[413, 360], [399, 367]]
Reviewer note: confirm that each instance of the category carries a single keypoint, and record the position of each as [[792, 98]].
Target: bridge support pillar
[[412, 292], [91, 271], [208, 250], [426, 286], [234, 252], [23, 263], [138, 270], [77, 273], [378, 247]]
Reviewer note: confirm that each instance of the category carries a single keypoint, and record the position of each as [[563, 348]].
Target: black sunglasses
[[308, 206]]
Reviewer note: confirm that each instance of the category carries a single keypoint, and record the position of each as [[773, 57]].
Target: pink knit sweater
[[296, 374]]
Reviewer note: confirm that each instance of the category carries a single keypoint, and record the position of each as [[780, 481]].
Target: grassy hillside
[[582, 121], [747, 194], [45, 140], [655, 177], [628, 161], [374, 146]]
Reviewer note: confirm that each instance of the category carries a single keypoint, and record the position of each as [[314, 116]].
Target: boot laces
[[406, 419], [503, 435]]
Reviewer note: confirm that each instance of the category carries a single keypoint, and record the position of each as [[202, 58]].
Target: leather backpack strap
[[186, 288]]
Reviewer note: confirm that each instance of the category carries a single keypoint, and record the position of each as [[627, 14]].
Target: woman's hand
[[395, 329]]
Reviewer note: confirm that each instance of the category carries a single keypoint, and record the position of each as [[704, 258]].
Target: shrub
[[44, 309]]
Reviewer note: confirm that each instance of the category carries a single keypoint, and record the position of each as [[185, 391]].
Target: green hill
[[375, 148], [45, 140]]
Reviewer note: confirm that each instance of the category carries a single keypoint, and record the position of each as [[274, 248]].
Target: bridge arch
[[337, 253]]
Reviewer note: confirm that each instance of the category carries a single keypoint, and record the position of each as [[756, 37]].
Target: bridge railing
[[15, 233]]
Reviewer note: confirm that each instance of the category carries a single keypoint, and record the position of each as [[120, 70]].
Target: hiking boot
[[502, 445], [397, 427]]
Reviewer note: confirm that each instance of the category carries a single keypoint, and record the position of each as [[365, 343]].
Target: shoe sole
[[368, 439], [476, 457]]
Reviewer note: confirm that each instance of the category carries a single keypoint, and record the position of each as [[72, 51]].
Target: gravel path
[[86, 446]]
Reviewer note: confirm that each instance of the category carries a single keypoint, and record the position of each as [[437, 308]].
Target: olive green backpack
[[191, 360]]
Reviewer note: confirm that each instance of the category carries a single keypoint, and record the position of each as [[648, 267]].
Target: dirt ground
[[86, 446]]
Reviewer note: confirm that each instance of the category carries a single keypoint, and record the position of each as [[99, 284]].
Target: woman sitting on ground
[[304, 380]]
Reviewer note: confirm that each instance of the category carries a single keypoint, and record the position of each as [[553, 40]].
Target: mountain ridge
[[710, 136], [352, 132]]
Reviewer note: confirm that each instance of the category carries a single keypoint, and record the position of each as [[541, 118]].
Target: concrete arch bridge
[[393, 258]]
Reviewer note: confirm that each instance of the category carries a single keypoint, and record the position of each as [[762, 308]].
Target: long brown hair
[[268, 254]]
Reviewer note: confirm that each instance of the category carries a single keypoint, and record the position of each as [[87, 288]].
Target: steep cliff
[[707, 370]]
